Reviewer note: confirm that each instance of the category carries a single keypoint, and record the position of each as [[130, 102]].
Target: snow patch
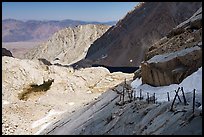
[[169, 56], [137, 82], [104, 56], [194, 81]]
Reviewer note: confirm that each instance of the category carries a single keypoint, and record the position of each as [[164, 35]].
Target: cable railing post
[[134, 92], [174, 99], [140, 94], [123, 94], [147, 97], [184, 98], [168, 96], [193, 101]]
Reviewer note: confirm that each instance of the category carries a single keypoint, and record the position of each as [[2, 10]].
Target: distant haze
[[34, 30], [86, 11]]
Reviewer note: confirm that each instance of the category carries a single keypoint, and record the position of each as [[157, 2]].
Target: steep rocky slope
[[126, 43], [185, 35], [36, 30], [175, 56], [35, 95], [68, 45]]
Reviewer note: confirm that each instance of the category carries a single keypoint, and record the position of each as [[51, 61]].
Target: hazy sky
[[86, 11]]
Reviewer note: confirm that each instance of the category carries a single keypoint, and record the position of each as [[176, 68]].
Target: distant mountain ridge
[[36, 30], [68, 45]]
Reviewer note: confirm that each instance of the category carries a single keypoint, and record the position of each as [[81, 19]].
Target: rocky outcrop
[[176, 56], [171, 68], [126, 43], [69, 89], [6, 52], [68, 45]]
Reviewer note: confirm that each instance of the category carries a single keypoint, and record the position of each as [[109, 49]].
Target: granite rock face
[[68, 45], [175, 56], [169, 68]]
